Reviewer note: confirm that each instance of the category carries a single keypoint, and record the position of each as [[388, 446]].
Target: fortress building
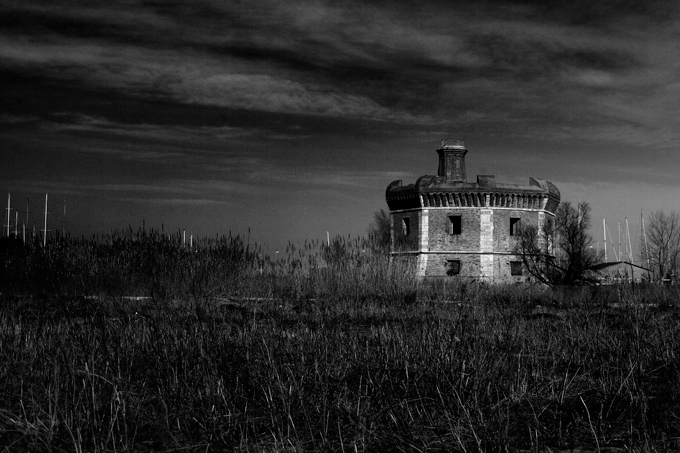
[[451, 227]]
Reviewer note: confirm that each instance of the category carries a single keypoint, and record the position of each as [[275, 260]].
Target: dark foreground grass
[[338, 375], [351, 356]]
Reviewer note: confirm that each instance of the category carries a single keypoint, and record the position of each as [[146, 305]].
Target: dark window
[[406, 226], [454, 224], [452, 267], [515, 268], [515, 225]]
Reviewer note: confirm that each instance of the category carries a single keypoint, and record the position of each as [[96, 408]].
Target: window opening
[[515, 226], [452, 267], [455, 224], [515, 268], [406, 226]]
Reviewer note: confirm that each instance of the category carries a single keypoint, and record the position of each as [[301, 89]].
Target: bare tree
[[574, 243], [663, 239], [534, 246], [560, 252]]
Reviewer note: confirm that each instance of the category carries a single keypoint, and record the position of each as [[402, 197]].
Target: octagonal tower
[[452, 227]]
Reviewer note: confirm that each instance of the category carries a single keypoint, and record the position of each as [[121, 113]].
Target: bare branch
[[663, 239], [561, 252]]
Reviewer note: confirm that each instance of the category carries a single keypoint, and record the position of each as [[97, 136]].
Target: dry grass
[[328, 350]]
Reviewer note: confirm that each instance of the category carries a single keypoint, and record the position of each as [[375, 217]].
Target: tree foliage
[[560, 252]]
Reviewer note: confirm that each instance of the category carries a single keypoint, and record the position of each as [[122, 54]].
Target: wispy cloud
[[195, 202], [67, 121], [275, 94], [323, 177], [167, 188], [18, 119], [292, 57], [189, 77]]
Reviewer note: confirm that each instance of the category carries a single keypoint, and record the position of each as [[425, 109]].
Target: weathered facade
[[452, 227]]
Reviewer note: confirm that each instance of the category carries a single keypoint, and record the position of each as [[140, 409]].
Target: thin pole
[[644, 234], [16, 224], [27, 206], [9, 206], [611, 241], [619, 253], [625, 240], [45, 229], [63, 222], [604, 231], [642, 238], [630, 246]]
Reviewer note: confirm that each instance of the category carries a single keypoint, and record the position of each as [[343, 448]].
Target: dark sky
[[291, 117]]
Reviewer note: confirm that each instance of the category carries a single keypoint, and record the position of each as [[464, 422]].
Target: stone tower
[[452, 227]]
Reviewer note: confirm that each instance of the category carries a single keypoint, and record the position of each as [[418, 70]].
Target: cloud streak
[[188, 78], [295, 66]]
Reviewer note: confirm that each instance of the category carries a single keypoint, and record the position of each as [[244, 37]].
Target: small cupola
[[452, 160]]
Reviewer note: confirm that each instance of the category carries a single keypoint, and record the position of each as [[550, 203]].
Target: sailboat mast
[[28, 199], [9, 206], [45, 229], [619, 252], [644, 234], [630, 246], [63, 222], [642, 238], [604, 231], [611, 241]]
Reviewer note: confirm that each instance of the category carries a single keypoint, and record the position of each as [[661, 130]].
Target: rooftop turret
[[450, 188], [452, 160]]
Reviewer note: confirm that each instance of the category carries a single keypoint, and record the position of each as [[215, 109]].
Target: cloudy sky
[[291, 117]]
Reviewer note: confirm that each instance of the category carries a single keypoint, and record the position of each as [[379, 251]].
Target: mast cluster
[[627, 244], [7, 227]]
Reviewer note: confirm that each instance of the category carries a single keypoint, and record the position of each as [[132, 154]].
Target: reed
[[329, 348]]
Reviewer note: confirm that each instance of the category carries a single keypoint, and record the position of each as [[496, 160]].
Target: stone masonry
[[453, 228]]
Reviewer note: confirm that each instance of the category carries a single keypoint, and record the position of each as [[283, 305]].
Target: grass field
[[132, 342]]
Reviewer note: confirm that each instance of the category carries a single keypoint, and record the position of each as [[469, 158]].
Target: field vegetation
[[133, 342]]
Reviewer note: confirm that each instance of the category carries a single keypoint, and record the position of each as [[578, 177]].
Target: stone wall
[[483, 247], [440, 237], [471, 267], [503, 242]]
